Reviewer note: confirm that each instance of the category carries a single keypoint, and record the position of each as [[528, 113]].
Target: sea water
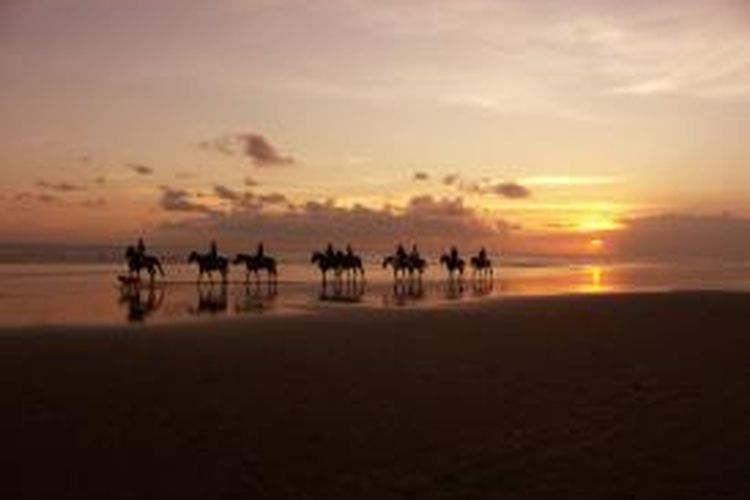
[[77, 287]]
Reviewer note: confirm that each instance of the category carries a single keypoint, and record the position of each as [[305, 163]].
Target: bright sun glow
[[596, 243], [595, 223]]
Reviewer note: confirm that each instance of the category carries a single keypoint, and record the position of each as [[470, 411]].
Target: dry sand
[[638, 396]]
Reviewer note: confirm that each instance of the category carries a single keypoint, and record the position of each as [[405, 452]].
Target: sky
[[541, 125]]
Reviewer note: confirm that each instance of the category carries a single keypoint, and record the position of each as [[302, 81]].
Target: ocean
[[58, 285]]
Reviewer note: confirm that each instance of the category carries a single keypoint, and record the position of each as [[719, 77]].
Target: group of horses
[[342, 264]]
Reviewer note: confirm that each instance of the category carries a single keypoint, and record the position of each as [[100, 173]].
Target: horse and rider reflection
[[141, 304], [348, 292], [405, 292], [212, 299], [256, 298]]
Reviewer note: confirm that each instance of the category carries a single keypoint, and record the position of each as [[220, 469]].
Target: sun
[[598, 223], [596, 244]]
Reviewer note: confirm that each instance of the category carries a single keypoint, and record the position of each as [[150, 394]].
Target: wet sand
[[622, 396]]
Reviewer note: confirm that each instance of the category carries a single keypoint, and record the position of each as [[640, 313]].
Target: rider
[[414, 255], [140, 248], [329, 251], [214, 252], [401, 251], [482, 254], [454, 253], [260, 253], [349, 251]]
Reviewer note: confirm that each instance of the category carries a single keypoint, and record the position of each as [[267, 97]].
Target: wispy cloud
[[250, 145], [61, 187], [179, 200], [139, 168]]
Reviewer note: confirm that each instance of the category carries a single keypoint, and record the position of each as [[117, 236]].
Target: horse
[[453, 263], [405, 264], [351, 263], [208, 263], [481, 265], [256, 263], [325, 263], [138, 261]]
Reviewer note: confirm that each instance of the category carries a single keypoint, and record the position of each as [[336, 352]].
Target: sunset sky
[[537, 125]]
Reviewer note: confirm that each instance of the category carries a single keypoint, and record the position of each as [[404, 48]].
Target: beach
[[637, 395]]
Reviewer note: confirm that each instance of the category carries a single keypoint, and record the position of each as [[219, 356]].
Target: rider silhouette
[[401, 251], [260, 250], [329, 251], [454, 253], [482, 254], [214, 252], [349, 251], [414, 252], [140, 248]]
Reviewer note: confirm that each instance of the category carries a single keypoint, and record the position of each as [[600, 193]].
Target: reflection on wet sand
[[346, 291], [405, 292], [212, 299], [256, 297], [482, 286], [454, 289], [139, 307]]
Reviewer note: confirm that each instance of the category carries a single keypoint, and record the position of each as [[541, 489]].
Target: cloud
[[676, 236], [140, 169], [421, 176], [262, 152], [226, 193], [179, 200], [25, 196], [251, 145], [60, 187], [511, 190], [273, 199], [431, 222], [450, 179]]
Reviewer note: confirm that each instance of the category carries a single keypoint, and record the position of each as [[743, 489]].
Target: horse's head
[[387, 261], [444, 259], [239, 259], [316, 257], [193, 257], [129, 252]]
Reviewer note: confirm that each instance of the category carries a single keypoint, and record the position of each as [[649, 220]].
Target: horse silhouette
[[453, 263], [405, 264], [326, 262], [138, 261], [352, 265], [207, 263], [481, 265], [256, 263]]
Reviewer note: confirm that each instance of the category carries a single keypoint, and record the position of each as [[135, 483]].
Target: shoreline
[[331, 311]]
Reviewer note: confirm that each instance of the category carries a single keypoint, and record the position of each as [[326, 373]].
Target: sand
[[629, 396]]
